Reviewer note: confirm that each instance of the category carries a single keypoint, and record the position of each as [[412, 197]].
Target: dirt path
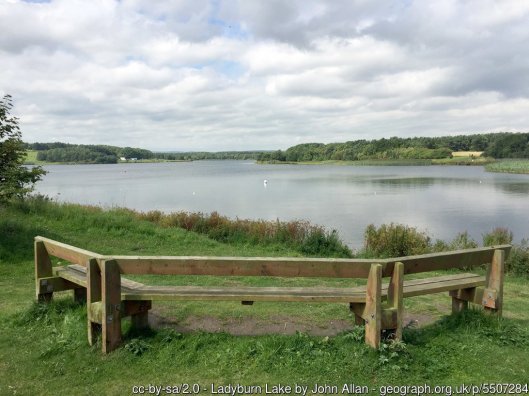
[[273, 325]]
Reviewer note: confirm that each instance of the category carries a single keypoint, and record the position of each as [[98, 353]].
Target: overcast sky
[[267, 74]]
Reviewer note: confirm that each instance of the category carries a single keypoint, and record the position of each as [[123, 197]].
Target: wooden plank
[[458, 305], [395, 297], [95, 313], [128, 308], [78, 274], [93, 296], [388, 315], [495, 275], [111, 299], [272, 266], [201, 293], [244, 266], [72, 274], [373, 306], [299, 267], [245, 293], [473, 295], [42, 270], [438, 287], [67, 252], [466, 258], [55, 284]]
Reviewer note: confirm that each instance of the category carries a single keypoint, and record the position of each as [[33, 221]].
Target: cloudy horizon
[[249, 75]]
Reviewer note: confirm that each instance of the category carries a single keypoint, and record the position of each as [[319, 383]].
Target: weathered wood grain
[[495, 275], [67, 252], [111, 303], [396, 296], [42, 270], [373, 306], [93, 297]]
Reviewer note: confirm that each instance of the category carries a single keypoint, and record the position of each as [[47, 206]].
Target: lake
[[442, 200]]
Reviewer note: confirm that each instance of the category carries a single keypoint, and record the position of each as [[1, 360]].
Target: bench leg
[[42, 270], [395, 297], [140, 321], [79, 295], [139, 313], [494, 288], [357, 309], [93, 296], [374, 306], [458, 305], [359, 321], [111, 305]]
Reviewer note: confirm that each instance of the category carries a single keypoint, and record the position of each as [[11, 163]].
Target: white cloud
[[216, 75]]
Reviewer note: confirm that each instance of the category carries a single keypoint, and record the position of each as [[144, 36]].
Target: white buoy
[[265, 182]]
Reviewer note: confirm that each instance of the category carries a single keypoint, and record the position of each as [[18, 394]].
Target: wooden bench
[[379, 305]]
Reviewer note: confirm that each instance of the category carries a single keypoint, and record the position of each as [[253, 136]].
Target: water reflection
[[440, 200]]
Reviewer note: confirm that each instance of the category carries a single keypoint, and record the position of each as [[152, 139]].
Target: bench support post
[[458, 305], [93, 295], [139, 316], [395, 296], [111, 305], [358, 310], [43, 269], [493, 293], [373, 307], [79, 295]]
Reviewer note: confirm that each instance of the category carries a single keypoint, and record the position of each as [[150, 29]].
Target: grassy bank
[[509, 166], [467, 161], [43, 349]]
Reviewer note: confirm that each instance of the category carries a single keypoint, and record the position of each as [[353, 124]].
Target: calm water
[[442, 200]]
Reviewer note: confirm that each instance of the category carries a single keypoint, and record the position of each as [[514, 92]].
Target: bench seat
[[131, 290]]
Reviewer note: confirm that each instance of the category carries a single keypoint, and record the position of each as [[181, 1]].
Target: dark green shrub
[[324, 244], [498, 236], [395, 240], [518, 261], [137, 346], [462, 241]]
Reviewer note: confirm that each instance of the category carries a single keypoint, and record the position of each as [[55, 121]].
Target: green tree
[[16, 180]]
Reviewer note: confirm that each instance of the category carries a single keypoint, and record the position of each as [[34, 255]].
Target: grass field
[[31, 158], [43, 348], [509, 166]]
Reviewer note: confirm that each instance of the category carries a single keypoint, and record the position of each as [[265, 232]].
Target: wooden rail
[[97, 278]]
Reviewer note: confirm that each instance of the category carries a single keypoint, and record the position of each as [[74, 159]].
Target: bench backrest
[[272, 266]]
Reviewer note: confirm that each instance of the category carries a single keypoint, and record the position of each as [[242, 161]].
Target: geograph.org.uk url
[[328, 389]]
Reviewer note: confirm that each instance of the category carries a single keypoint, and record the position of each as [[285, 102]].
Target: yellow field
[[467, 153]]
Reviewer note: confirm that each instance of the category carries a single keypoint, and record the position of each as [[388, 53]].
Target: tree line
[[203, 155], [496, 145], [86, 153], [103, 154]]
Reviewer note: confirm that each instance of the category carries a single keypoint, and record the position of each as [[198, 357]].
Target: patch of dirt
[[417, 320], [278, 324]]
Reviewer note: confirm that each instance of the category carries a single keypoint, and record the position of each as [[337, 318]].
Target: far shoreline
[[512, 166]]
